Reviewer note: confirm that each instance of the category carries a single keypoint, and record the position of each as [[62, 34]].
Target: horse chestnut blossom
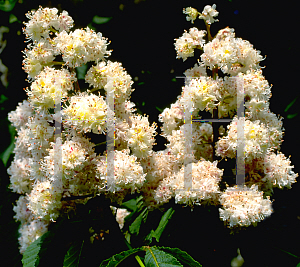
[[56, 169]]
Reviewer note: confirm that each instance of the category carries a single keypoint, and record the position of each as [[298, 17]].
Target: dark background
[[142, 38]]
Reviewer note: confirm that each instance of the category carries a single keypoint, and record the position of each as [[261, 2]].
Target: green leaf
[[31, 254], [72, 257], [7, 5], [12, 18], [290, 116], [134, 228], [132, 204], [159, 109], [157, 258], [6, 154], [3, 98], [81, 71], [290, 104], [101, 20], [182, 256], [161, 226], [298, 265], [118, 258]]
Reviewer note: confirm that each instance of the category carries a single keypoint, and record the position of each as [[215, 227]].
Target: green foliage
[[182, 256], [6, 154], [117, 259], [101, 20], [7, 5], [155, 257], [162, 225], [290, 116], [72, 257]]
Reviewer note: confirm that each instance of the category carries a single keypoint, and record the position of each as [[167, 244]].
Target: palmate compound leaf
[[72, 256], [157, 258], [118, 258]]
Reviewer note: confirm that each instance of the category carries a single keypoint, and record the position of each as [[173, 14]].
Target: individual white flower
[[63, 23], [128, 173], [31, 231], [86, 112], [45, 201], [81, 46], [49, 85], [244, 206], [191, 13], [140, 136], [20, 116], [279, 171], [208, 14]]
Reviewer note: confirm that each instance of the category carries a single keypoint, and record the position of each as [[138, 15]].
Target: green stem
[[93, 90], [53, 30], [54, 63], [138, 259], [101, 143], [208, 31]]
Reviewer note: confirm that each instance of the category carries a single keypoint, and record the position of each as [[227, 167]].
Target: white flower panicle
[[54, 174], [244, 206]]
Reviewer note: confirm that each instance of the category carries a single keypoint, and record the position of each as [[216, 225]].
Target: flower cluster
[[56, 168]]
